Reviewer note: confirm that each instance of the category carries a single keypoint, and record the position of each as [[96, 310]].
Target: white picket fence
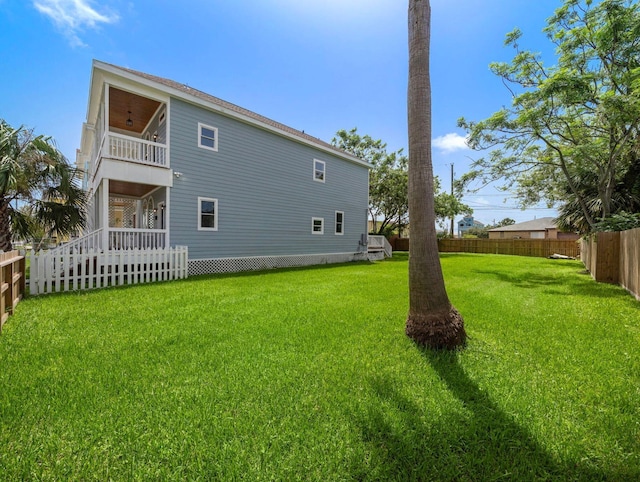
[[52, 272]]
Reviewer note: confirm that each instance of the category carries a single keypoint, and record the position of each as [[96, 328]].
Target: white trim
[[341, 233], [215, 214], [162, 117], [215, 137], [323, 170], [313, 225], [167, 134]]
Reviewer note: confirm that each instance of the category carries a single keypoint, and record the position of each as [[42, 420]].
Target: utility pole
[[452, 197]]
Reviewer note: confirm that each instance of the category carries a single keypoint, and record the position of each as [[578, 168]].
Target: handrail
[[123, 238], [93, 240], [119, 239], [379, 243], [132, 149]]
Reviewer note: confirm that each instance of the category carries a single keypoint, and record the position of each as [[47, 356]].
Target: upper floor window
[[207, 214], [207, 137], [319, 170]]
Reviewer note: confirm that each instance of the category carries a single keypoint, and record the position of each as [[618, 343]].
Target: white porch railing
[[131, 149], [120, 239], [91, 241], [379, 243], [54, 272]]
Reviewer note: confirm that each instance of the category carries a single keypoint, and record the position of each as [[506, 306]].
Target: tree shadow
[[582, 284], [474, 440]]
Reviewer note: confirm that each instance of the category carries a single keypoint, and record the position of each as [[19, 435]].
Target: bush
[[619, 222]]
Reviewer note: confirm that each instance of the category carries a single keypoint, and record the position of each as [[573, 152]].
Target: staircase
[[377, 244]]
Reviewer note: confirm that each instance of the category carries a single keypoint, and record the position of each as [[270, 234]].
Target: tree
[[432, 320], [38, 188], [388, 201], [448, 206], [388, 183], [571, 134], [483, 232]]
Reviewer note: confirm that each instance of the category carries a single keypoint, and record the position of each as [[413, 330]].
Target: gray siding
[[265, 190]]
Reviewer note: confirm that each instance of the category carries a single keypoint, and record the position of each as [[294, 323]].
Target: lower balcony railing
[[137, 238]]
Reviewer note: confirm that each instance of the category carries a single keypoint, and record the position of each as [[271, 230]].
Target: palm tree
[[38, 189], [432, 321]]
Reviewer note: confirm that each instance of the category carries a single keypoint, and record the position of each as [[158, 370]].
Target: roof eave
[[171, 91]]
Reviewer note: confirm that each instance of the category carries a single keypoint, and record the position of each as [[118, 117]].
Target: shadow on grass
[[472, 439], [576, 282]]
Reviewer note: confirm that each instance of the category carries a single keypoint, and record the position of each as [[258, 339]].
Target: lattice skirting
[[258, 263]]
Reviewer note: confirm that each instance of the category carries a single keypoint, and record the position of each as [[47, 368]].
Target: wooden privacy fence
[[519, 247], [614, 257], [12, 283], [54, 272]]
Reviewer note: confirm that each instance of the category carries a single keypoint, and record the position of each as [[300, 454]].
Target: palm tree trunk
[[5, 227], [432, 320]]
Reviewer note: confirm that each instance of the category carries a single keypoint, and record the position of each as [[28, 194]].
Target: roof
[[234, 110], [541, 224]]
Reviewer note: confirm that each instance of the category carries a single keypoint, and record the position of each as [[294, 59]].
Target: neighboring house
[[167, 165], [466, 223], [543, 228]]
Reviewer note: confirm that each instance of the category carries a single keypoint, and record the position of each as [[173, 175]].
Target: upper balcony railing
[[132, 149]]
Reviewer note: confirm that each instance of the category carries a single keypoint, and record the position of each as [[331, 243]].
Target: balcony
[[130, 160], [131, 149]]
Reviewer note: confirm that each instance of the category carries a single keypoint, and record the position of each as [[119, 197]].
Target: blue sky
[[318, 66]]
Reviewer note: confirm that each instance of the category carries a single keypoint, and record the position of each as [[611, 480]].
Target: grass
[[306, 374]]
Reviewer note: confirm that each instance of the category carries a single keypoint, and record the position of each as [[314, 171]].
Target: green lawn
[[306, 374]]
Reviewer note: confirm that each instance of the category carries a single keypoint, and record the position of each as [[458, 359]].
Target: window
[[207, 137], [207, 214], [319, 169], [317, 225], [339, 222], [163, 115]]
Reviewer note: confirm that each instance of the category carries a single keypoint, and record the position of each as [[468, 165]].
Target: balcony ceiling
[[123, 188], [141, 108]]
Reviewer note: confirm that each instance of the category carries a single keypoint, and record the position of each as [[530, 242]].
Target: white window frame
[[341, 223], [215, 214], [316, 170], [313, 225], [215, 139], [162, 117]]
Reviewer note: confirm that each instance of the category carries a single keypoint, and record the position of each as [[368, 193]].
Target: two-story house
[[467, 223], [168, 165]]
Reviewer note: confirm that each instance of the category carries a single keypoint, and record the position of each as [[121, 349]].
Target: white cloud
[[451, 142], [72, 16]]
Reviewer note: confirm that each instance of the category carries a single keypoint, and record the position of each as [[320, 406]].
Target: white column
[[105, 214], [167, 216]]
